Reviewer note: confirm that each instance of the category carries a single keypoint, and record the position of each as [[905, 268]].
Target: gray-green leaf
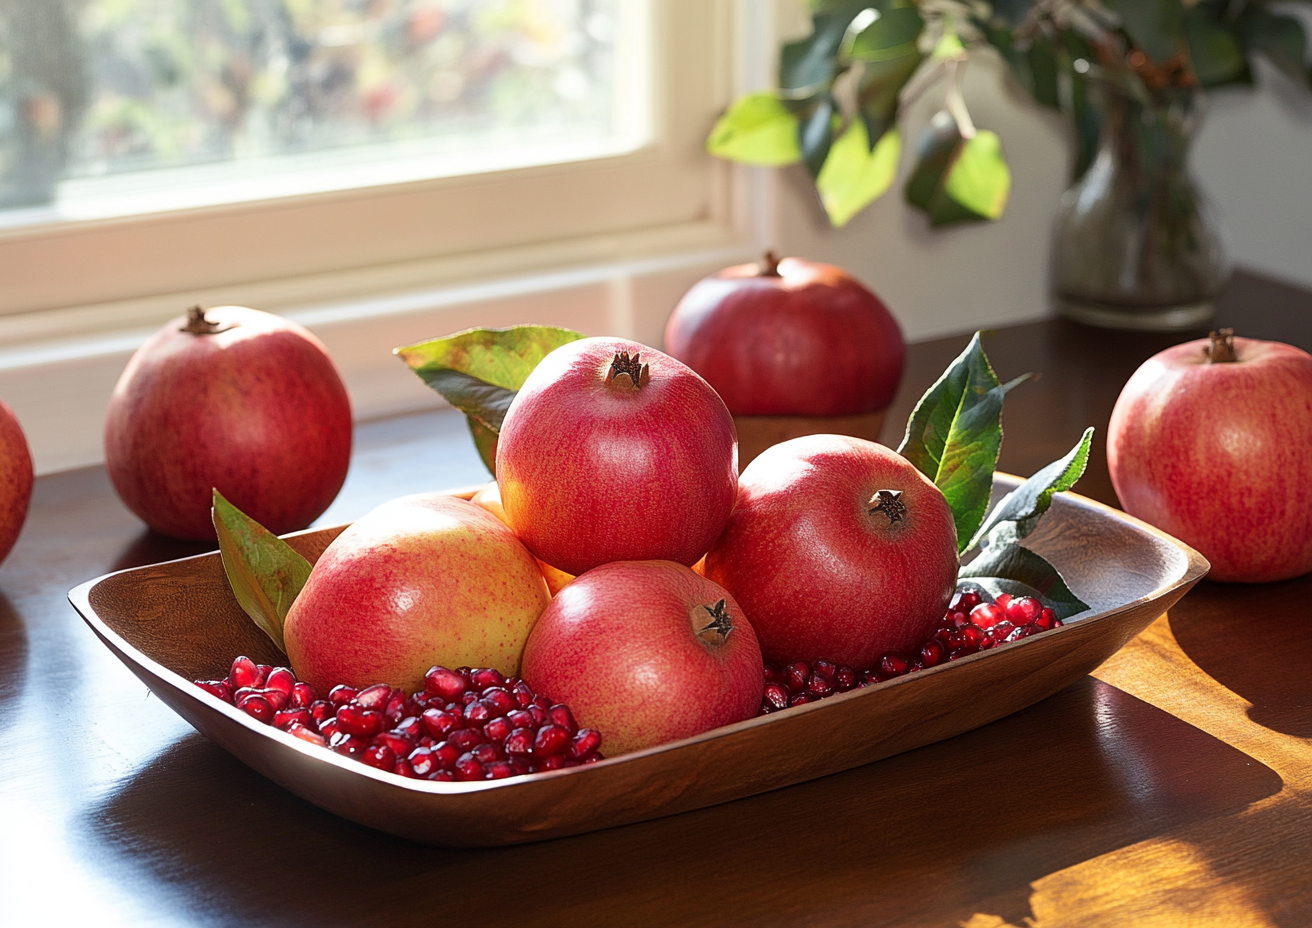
[[958, 179]]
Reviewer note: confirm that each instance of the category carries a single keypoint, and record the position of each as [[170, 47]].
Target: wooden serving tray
[[176, 622]]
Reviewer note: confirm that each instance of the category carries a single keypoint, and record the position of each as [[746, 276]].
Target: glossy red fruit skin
[[1219, 455], [620, 646], [811, 341], [822, 577], [591, 473], [15, 479], [256, 409]]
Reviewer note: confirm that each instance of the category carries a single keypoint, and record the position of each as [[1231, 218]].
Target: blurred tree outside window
[[110, 107]]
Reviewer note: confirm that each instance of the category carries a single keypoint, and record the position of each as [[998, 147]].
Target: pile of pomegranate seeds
[[971, 624], [465, 725]]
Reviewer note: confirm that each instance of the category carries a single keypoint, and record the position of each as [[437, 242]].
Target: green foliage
[[853, 175], [1062, 53], [478, 371], [265, 573]]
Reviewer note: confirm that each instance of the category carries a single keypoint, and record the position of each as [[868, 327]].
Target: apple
[[611, 451], [489, 497], [15, 479], [783, 342], [234, 399], [420, 581], [1211, 441], [838, 549], [646, 652]]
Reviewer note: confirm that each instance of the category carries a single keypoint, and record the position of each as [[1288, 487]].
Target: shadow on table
[[13, 657], [1255, 640], [150, 547], [935, 834]]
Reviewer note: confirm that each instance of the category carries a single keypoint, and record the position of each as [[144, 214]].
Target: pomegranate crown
[[721, 622], [637, 373], [1222, 348], [888, 502], [197, 324]]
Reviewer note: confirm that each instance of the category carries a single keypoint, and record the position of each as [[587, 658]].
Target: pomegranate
[[612, 452], [234, 399], [15, 479]]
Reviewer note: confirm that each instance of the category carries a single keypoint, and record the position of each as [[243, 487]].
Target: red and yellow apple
[[489, 497], [646, 652], [611, 451], [232, 399], [420, 581], [838, 549], [1211, 441]]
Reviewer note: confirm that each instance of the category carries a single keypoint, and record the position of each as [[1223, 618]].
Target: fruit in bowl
[[1211, 441], [419, 581], [838, 549], [647, 652], [232, 398], [611, 451], [793, 347], [489, 497]]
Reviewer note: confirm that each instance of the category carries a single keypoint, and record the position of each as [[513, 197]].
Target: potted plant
[[1135, 244]]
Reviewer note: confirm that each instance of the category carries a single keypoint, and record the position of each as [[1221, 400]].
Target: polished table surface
[[1171, 787]]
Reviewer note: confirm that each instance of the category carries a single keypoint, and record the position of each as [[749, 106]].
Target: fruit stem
[[1222, 349], [197, 324], [769, 266], [721, 621], [632, 368], [889, 503]]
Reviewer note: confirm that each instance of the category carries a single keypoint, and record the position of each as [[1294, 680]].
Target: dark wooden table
[[1173, 787]]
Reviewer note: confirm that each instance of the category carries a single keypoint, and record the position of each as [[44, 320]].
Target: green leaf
[[1017, 570], [1280, 38], [1043, 64], [958, 179], [815, 133], [265, 573], [808, 66], [757, 129], [1019, 511], [1214, 52], [892, 35], [955, 433], [877, 93], [1156, 26], [478, 371], [853, 175]]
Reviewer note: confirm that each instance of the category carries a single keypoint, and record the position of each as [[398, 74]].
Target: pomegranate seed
[[523, 694], [1002, 599], [1047, 620], [799, 673], [539, 713], [396, 708], [286, 718], [466, 698], [800, 699], [499, 770], [845, 679], [478, 712], [303, 696], [445, 683], [350, 745], [587, 741], [1023, 610], [550, 740], [987, 615], [244, 673], [519, 742], [560, 715], [322, 709], [354, 720], [893, 665], [263, 670], [341, 694], [820, 686], [497, 729], [501, 701], [487, 753], [521, 718], [966, 600], [464, 738], [404, 769], [776, 697], [374, 697], [1023, 631], [542, 702], [446, 776], [446, 755], [257, 707], [422, 761], [998, 633], [400, 744], [305, 734], [931, 653], [824, 668], [380, 756], [438, 722], [469, 767], [328, 727], [409, 727], [775, 674], [484, 677], [280, 678], [554, 762], [217, 688]]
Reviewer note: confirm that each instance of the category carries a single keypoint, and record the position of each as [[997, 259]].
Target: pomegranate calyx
[[1222, 348], [889, 503], [632, 368], [769, 265], [721, 622], [197, 324]]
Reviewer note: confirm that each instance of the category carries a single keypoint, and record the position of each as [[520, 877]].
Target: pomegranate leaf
[[1019, 511], [955, 433], [1014, 569], [265, 573], [478, 371], [757, 129], [958, 178]]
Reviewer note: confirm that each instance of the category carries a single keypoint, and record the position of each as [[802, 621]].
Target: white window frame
[[621, 236]]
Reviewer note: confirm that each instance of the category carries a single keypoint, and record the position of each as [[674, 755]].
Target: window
[[128, 223]]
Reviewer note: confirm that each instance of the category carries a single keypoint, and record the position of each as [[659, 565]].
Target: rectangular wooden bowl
[[177, 622]]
